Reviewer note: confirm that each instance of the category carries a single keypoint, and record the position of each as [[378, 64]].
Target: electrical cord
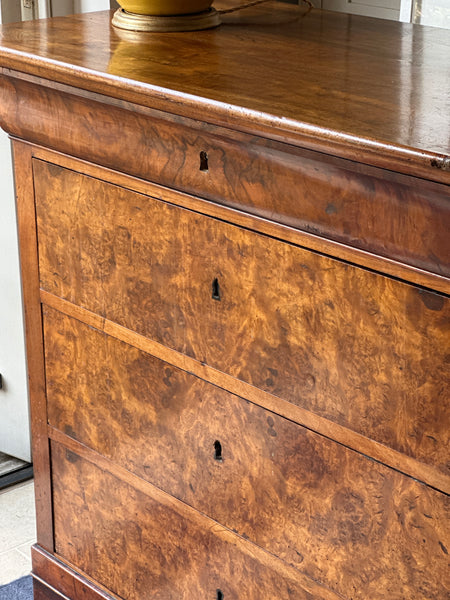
[[255, 3]]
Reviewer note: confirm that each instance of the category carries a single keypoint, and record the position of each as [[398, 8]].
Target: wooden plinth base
[[157, 23], [54, 580]]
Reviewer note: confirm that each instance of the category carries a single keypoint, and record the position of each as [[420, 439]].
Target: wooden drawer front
[[360, 349], [354, 525], [140, 548], [400, 217]]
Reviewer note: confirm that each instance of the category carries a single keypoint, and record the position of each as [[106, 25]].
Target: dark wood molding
[[34, 344]]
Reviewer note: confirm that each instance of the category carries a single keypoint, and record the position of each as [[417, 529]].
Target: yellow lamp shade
[[165, 7]]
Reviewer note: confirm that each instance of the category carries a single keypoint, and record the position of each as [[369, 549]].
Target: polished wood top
[[366, 89]]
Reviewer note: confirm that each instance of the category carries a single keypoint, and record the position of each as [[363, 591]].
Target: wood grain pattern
[[343, 84], [313, 503], [350, 439], [62, 577], [147, 549], [26, 216], [298, 237], [326, 131], [359, 349], [199, 520], [308, 191]]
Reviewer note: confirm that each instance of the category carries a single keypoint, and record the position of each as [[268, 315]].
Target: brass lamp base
[[160, 23]]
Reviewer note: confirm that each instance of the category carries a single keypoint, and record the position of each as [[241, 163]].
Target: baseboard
[[53, 579], [16, 476]]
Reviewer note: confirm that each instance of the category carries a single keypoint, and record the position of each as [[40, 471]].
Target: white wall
[[432, 12], [425, 12], [90, 5], [14, 414], [9, 11], [383, 9], [66, 7]]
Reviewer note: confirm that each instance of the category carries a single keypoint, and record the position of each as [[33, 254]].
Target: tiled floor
[[17, 530]]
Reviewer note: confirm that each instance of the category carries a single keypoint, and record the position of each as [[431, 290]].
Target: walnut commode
[[235, 259]]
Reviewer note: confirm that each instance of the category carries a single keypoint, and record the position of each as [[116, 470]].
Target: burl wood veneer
[[235, 258], [295, 493], [296, 324]]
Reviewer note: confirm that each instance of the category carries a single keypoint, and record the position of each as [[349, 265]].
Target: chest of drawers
[[236, 282]]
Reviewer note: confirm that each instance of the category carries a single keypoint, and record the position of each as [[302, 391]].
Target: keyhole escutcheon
[[203, 161], [218, 450], [215, 289], [219, 595]]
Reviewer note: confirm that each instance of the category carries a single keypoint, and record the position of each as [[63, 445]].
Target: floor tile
[[13, 565], [17, 520], [25, 549]]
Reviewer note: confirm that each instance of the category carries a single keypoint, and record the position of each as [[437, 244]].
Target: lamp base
[[161, 23]]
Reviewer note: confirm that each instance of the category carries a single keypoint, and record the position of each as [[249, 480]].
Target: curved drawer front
[[400, 217], [360, 349], [354, 525]]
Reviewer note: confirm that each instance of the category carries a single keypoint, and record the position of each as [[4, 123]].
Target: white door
[[14, 409]]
